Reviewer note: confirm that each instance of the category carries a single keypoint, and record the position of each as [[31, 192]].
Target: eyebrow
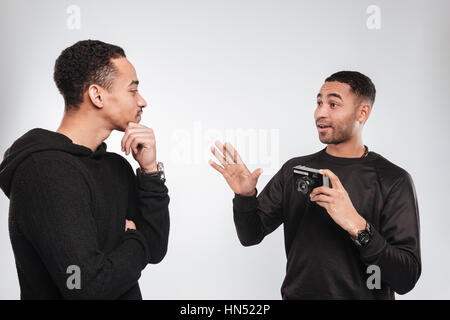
[[336, 95], [136, 82]]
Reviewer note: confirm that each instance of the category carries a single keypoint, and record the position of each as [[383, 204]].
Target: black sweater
[[68, 207], [322, 260]]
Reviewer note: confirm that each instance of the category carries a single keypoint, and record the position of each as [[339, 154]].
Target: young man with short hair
[[82, 224], [368, 218]]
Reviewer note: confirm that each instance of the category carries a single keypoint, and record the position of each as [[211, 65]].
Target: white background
[[210, 66]]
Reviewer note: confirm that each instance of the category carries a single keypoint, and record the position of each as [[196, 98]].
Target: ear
[[94, 93], [363, 112]]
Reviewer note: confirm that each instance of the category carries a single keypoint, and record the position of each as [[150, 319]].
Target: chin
[[325, 140], [122, 127]]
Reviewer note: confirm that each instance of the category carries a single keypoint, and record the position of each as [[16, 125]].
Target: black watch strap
[[363, 236]]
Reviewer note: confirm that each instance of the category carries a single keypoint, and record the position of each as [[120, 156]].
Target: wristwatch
[[159, 173], [363, 236]]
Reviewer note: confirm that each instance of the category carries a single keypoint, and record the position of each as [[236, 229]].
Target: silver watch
[[159, 173]]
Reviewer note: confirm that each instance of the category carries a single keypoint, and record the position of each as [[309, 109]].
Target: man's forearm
[[399, 267], [248, 223], [153, 219]]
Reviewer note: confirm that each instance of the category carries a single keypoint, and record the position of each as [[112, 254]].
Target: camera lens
[[303, 185]]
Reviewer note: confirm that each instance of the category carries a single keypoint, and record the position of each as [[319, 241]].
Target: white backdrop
[[249, 69]]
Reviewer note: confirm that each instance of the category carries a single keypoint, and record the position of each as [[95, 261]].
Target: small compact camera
[[306, 179]]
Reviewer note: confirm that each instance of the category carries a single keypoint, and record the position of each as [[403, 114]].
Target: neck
[[83, 129], [352, 148]]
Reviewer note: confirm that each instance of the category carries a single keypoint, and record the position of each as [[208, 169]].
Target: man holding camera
[[369, 216]]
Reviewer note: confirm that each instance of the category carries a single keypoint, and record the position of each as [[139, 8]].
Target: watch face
[[364, 237]]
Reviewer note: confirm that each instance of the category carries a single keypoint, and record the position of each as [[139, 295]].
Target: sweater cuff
[[244, 203], [373, 249], [150, 182]]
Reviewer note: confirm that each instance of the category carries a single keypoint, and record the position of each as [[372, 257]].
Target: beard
[[338, 133]]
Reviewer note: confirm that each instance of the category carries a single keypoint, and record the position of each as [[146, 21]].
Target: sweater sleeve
[[57, 219], [149, 210], [395, 248], [256, 217]]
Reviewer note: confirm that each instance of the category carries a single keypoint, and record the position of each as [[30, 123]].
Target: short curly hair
[[85, 63], [361, 84]]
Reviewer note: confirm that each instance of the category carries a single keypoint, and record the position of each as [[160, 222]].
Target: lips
[[323, 127]]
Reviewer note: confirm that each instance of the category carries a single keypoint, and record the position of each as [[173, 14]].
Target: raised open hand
[[233, 169]]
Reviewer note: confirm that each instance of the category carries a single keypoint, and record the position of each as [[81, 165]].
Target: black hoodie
[[67, 214]]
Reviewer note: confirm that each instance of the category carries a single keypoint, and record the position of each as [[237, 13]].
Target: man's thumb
[[257, 173]]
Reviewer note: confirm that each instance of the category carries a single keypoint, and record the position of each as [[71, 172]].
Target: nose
[[321, 112], [141, 102]]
